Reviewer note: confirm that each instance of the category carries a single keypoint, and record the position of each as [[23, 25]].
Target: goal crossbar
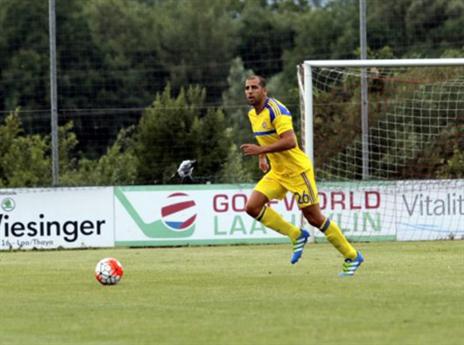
[[308, 65], [386, 62]]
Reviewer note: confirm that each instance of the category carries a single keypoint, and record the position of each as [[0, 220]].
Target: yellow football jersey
[[272, 121]]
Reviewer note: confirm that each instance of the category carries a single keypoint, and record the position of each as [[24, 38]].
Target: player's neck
[[259, 107]]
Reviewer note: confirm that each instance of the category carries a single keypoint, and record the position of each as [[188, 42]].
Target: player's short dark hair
[[262, 80]]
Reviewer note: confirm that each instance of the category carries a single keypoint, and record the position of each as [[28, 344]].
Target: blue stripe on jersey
[[258, 134], [271, 112], [278, 107], [282, 108]]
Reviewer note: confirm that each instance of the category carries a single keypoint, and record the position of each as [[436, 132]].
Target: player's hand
[[251, 149], [263, 165]]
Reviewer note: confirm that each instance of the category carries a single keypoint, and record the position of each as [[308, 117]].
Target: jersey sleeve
[[283, 123]]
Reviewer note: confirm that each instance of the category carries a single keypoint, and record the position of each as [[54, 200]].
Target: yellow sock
[[335, 236], [273, 220]]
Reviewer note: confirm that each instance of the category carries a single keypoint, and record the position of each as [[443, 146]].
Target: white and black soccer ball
[[109, 271]]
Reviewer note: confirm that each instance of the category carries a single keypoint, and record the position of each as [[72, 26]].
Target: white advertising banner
[[365, 211], [430, 210], [209, 214], [188, 214], [55, 217], [215, 214]]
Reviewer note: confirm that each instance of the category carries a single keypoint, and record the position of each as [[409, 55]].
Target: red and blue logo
[[179, 212]]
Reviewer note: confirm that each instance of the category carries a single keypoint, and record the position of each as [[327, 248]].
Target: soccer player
[[289, 170]]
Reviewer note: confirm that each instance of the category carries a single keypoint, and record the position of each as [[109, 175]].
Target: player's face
[[254, 92]]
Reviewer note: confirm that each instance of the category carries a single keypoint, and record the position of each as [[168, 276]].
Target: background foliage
[[144, 84]]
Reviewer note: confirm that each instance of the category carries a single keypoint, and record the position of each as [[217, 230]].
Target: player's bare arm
[[287, 141]]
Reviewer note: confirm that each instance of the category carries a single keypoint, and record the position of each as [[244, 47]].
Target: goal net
[[387, 137]]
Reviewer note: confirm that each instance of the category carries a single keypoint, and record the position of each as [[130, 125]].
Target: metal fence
[[113, 57]]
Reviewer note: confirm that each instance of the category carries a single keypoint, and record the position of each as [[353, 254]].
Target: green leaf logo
[[8, 204]]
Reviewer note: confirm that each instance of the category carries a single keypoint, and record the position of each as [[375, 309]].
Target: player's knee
[[315, 220], [314, 215], [252, 210]]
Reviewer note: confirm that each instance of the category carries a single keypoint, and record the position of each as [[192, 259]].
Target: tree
[[125, 34], [431, 27], [234, 102], [116, 167], [386, 25], [263, 41], [196, 42], [174, 129], [213, 145], [234, 170], [235, 108], [24, 66], [328, 32], [23, 158]]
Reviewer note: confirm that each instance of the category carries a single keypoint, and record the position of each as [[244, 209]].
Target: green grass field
[[405, 293]]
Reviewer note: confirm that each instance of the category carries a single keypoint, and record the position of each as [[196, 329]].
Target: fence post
[[53, 91]]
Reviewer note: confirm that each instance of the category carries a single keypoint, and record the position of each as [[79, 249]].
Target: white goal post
[[414, 106], [307, 84]]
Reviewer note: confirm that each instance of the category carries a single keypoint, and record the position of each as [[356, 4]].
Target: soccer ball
[[109, 271]]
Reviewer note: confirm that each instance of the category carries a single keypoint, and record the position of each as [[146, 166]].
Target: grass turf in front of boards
[[405, 293]]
